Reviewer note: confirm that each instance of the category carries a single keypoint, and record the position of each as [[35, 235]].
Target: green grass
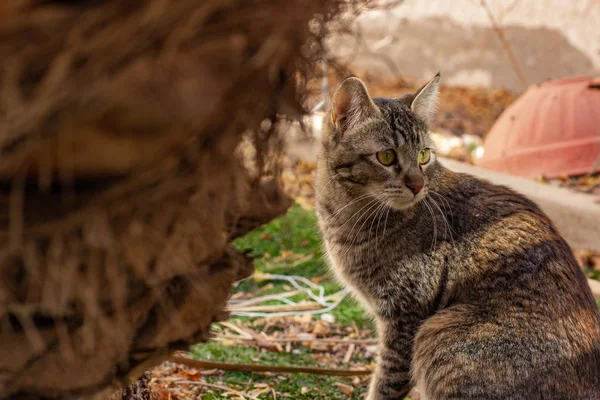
[[295, 235], [319, 386], [296, 232]]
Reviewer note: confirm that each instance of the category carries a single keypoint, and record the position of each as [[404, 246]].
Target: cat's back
[[481, 202], [518, 306], [506, 243]]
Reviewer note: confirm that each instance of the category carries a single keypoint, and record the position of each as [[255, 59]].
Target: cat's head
[[381, 148]]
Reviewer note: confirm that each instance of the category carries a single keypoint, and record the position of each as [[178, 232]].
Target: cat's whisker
[[451, 231], [356, 200], [372, 215], [434, 241], [446, 225], [448, 228], [328, 183], [375, 195], [435, 229], [335, 232], [360, 228], [372, 207], [386, 219], [378, 210], [337, 212], [378, 222], [353, 215], [432, 192], [369, 232], [446, 202]]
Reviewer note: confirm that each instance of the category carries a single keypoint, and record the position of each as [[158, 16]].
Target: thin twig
[[202, 364], [349, 353], [505, 45], [278, 308], [286, 340], [245, 334]]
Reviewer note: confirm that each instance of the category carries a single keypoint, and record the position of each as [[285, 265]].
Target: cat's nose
[[414, 181]]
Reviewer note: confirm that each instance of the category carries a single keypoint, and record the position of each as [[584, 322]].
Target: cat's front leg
[[391, 379]]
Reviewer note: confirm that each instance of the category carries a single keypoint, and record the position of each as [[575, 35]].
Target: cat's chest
[[390, 282], [340, 262], [363, 267]]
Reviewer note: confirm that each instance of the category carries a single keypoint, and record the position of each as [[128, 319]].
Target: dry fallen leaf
[[347, 389], [264, 342], [321, 328], [303, 319], [319, 346], [284, 255], [161, 394], [191, 375]]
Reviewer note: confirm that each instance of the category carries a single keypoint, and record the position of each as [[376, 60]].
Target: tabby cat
[[474, 292]]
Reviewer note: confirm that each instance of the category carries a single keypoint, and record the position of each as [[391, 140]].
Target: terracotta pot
[[553, 129]]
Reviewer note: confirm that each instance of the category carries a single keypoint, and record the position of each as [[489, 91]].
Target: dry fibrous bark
[[122, 181], [139, 390]]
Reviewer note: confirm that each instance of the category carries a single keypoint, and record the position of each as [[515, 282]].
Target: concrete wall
[[550, 39]]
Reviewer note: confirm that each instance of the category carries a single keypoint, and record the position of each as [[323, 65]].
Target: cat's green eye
[[424, 156], [386, 157]]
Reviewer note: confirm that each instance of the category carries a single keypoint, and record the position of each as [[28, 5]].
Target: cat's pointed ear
[[351, 104], [425, 101]]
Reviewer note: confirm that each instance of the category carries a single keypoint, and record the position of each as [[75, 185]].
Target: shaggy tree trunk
[[122, 178]]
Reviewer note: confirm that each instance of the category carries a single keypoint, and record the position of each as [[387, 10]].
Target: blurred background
[[541, 39]]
